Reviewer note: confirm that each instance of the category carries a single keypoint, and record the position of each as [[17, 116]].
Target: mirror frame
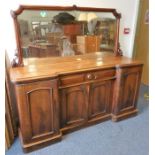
[[14, 14]]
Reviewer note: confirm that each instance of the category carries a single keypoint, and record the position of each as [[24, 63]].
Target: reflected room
[[46, 33]]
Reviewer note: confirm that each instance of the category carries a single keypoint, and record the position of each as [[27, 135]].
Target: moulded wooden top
[[39, 68]]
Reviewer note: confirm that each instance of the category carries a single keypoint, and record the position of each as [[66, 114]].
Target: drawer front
[[71, 79], [98, 75], [85, 77]]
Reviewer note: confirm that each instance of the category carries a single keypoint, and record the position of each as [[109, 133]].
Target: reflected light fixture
[[82, 17], [91, 16]]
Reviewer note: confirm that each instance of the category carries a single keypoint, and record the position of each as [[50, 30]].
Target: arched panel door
[[39, 110]]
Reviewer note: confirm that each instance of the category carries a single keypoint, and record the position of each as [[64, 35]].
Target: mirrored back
[[65, 31]]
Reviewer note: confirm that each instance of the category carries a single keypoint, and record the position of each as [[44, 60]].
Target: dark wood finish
[[100, 99], [10, 97], [37, 69], [85, 97], [63, 8], [39, 122], [71, 79], [74, 102], [21, 8], [126, 92], [59, 95], [9, 121]]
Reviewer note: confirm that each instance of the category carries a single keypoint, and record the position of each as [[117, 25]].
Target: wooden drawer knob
[[89, 76], [95, 77]]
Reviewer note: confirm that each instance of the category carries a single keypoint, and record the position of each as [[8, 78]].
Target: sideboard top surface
[[36, 69]]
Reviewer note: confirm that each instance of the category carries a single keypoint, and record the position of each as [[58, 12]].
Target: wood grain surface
[[35, 68]]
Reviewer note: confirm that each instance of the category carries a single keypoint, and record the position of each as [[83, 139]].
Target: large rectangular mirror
[[44, 31]]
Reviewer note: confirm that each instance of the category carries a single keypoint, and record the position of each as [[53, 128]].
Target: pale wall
[[128, 9]]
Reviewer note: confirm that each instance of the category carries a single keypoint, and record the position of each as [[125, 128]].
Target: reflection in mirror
[[65, 33]]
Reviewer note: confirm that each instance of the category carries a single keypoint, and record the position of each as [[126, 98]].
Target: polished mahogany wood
[[36, 69], [38, 113], [55, 97], [126, 92], [74, 105], [100, 98], [21, 8]]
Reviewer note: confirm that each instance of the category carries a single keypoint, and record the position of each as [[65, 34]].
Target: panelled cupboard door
[[39, 110], [126, 92], [130, 85], [100, 98], [74, 105]]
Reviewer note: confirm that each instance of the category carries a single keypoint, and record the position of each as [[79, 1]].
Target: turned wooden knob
[[95, 77], [89, 76]]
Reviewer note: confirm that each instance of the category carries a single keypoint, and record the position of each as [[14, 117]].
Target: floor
[[128, 137]]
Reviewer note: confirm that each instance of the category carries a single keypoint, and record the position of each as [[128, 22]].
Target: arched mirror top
[[56, 31]]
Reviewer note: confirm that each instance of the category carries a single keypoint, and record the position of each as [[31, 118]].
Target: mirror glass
[[45, 33]]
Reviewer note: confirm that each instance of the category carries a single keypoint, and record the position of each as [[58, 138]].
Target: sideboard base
[[39, 144], [43, 143], [128, 114], [69, 95], [90, 122]]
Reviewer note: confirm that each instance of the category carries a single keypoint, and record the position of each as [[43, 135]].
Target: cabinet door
[[129, 91], [126, 92], [74, 106], [38, 110], [100, 99]]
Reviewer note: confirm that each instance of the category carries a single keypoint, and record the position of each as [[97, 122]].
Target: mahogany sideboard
[[58, 95]]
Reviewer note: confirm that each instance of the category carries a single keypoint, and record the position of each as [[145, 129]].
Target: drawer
[[98, 75], [87, 76], [71, 79]]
